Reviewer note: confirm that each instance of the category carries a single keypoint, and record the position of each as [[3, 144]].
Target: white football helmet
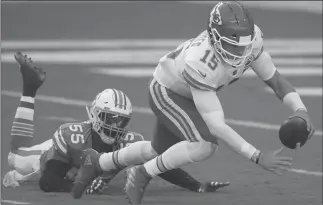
[[110, 114]]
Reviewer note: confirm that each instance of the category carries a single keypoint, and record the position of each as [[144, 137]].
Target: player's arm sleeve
[[266, 70], [210, 108], [60, 146]]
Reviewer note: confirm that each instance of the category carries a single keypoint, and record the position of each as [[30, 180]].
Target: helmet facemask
[[111, 126], [231, 34], [232, 52]]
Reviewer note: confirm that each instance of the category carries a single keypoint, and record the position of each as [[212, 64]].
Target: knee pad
[[199, 151]]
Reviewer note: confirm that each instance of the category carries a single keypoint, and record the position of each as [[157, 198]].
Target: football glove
[[212, 186], [101, 183], [97, 187]]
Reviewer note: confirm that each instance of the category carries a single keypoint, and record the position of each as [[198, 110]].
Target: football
[[293, 131]]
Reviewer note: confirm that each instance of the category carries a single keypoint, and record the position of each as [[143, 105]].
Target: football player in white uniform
[[183, 96], [54, 162]]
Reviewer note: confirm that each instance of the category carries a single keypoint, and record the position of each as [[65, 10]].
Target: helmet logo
[[215, 15]]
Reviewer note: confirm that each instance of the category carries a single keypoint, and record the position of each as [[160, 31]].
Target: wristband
[[293, 100], [256, 156]]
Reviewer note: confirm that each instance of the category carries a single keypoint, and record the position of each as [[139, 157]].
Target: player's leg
[[22, 131], [24, 162], [180, 116], [163, 138]]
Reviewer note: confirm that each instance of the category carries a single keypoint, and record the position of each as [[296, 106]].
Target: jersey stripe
[[196, 84], [60, 143]]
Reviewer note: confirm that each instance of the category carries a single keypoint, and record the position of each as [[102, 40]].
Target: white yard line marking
[[229, 121], [66, 101], [305, 172], [304, 91], [298, 61], [133, 72], [310, 7], [13, 202], [138, 72], [141, 110], [125, 43], [142, 56], [233, 122]]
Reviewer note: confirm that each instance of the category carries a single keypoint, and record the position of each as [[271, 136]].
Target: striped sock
[[155, 166], [108, 161], [22, 130], [174, 157]]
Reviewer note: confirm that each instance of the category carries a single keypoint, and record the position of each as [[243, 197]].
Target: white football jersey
[[194, 63]]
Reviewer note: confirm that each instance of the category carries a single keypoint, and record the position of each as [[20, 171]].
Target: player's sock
[[136, 153], [22, 130], [181, 178], [178, 155]]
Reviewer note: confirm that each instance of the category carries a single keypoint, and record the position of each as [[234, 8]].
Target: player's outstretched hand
[[212, 186], [271, 161]]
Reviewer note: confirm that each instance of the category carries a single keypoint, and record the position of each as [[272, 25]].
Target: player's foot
[[90, 169], [137, 181], [33, 76], [212, 186]]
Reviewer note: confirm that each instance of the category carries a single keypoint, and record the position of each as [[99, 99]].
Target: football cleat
[[212, 186], [33, 76], [137, 181], [89, 171]]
